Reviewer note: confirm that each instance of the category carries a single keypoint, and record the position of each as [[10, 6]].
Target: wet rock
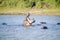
[[4, 23], [44, 27], [43, 22], [58, 23]]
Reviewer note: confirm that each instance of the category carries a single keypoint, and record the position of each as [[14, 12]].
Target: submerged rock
[[44, 27], [58, 23], [4, 23]]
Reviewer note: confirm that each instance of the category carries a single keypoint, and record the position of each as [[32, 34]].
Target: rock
[[4, 23], [44, 27], [58, 23], [43, 22]]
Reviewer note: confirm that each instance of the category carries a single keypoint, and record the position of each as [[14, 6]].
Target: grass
[[29, 10]]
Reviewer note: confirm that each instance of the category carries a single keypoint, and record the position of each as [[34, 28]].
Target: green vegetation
[[7, 5], [30, 3]]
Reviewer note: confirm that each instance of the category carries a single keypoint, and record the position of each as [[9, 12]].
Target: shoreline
[[31, 11]]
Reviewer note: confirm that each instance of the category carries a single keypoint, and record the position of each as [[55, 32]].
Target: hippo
[[43, 22], [28, 22], [44, 27], [58, 23], [4, 23]]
